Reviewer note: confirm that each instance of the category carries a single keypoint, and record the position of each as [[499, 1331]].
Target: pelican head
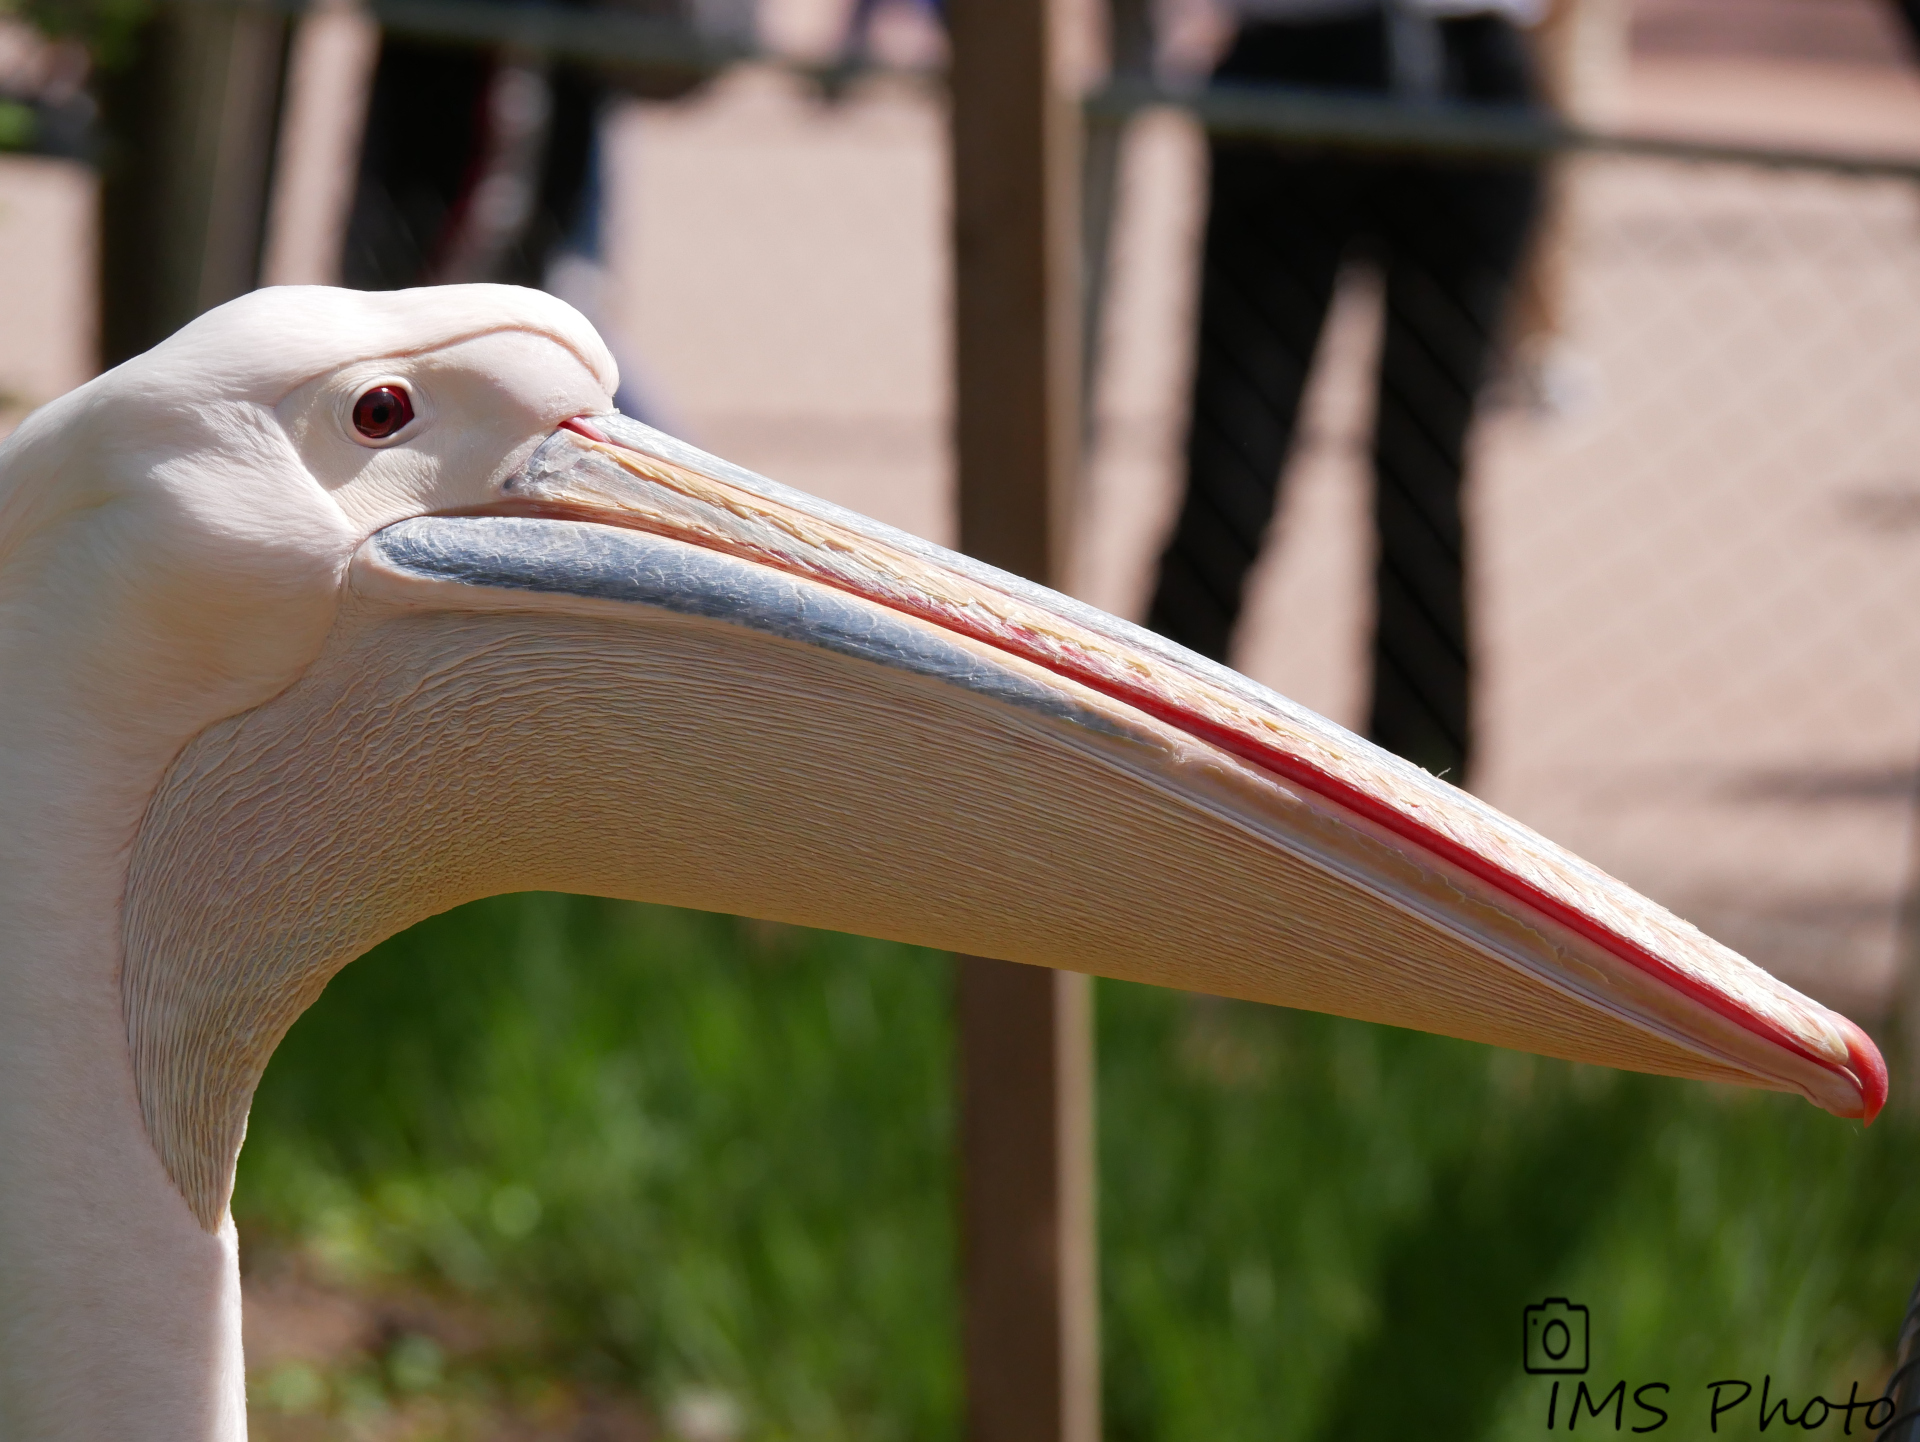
[[339, 609]]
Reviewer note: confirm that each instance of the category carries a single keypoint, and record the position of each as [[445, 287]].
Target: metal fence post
[[1029, 1297]]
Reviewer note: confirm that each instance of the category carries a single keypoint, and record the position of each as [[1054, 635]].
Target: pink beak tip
[[1869, 1069]]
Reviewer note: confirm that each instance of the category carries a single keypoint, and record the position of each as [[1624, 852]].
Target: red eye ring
[[381, 412]]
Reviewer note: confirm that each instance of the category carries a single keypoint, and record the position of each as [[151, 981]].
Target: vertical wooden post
[[1016, 237], [190, 134], [316, 169], [1029, 1294]]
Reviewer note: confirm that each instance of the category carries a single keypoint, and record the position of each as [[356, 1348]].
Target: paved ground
[[1697, 576]]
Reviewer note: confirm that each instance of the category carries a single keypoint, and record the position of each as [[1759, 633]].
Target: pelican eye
[[381, 412]]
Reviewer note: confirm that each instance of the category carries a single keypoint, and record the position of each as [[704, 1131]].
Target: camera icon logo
[[1556, 1337]]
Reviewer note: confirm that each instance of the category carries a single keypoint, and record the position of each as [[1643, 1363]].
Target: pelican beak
[[645, 673], [1266, 853]]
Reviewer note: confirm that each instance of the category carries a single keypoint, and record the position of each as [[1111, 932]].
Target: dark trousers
[[427, 130], [1448, 237]]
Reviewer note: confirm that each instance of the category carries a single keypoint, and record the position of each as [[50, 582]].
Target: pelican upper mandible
[[338, 609]]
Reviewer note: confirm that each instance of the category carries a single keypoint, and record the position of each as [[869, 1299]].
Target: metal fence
[[1694, 527]]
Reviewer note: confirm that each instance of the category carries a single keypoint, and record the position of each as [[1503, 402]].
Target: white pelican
[[338, 609]]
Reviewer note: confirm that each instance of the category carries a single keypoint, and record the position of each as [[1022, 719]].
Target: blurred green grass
[[605, 1150]]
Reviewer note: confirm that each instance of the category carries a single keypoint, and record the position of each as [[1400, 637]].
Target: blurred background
[[554, 1167]]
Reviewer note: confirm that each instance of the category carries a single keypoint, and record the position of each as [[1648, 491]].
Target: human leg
[[1278, 223], [1453, 239], [1276, 227]]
